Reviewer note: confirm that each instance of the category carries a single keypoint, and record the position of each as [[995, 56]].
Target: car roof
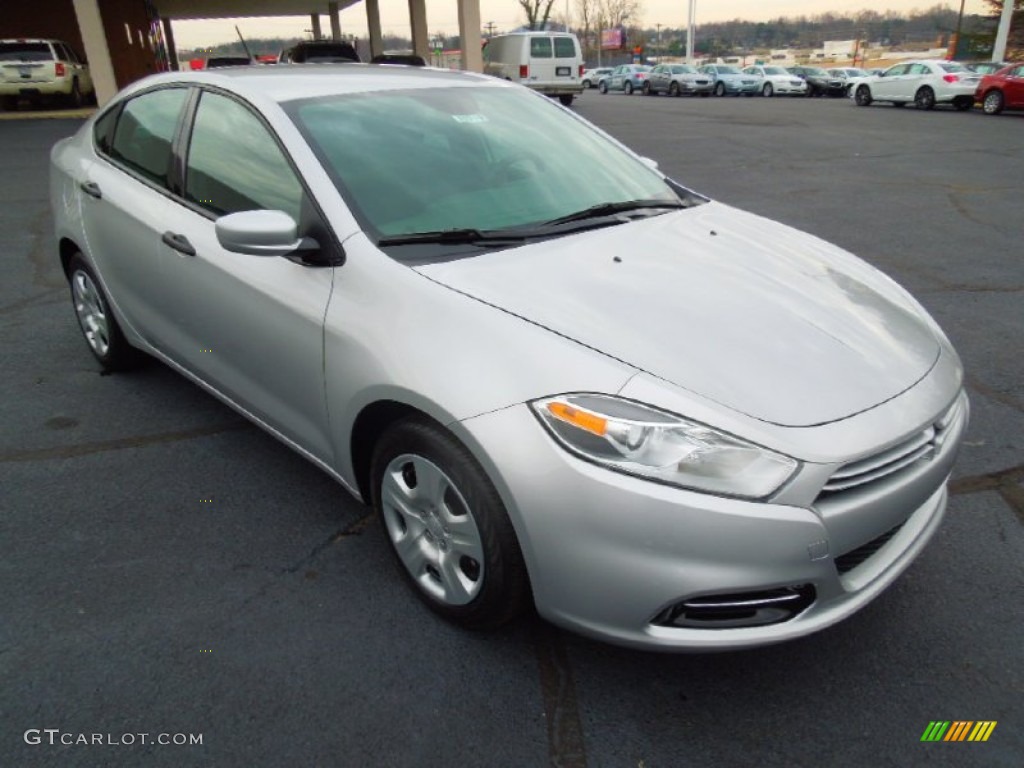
[[301, 81]]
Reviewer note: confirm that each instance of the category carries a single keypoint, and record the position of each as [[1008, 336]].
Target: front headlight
[[660, 446]]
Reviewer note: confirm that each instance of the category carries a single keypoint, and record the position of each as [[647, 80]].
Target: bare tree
[[615, 13], [537, 12]]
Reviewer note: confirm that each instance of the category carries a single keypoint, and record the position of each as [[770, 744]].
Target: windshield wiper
[[610, 209], [454, 237]]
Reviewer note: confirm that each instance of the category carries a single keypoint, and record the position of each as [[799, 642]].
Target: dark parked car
[[820, 82], [409, 59], [321, 52], [228, 61]]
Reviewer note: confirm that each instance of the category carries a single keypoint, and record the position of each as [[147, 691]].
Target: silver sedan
[[560, 377]]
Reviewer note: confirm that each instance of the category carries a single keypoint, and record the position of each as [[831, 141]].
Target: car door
[[542, 60], [659, 78], [125, 197], [916, 76], [889, 83], [1014, 88], [249, 326]]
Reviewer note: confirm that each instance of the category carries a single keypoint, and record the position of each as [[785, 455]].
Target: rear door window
[[540, 47], [145, 132], [565, 48], [13, 51]]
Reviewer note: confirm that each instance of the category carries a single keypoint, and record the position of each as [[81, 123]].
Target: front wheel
[[673, 90], [628, 88], [992, 104], [863, 96], [447, 526], [603, 87], [924, 98], [647, 90], [587, 84], [767, 91], [99, 327], [720, 89]]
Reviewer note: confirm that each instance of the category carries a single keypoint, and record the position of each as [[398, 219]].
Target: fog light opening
[[736, 610]]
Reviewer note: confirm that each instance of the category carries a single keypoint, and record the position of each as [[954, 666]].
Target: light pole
[[690, 36], [657, 49]]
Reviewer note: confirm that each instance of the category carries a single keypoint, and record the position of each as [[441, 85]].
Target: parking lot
[[170, 569]]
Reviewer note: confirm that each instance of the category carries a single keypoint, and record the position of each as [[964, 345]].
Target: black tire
[[992, 103], [673, 89], [499, 585], [963, 103], [647, 90], [899, 103], [719, 89], [587, 84], [75, 98], [810, 92], [628, 87], [9, 103], [768, 91], [924, 98], [863, 96], [566, 99], [99, 327], [603, 86]]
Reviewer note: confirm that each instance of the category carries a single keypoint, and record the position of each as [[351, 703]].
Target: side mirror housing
[[261, 233]]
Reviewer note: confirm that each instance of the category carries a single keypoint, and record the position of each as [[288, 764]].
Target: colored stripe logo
[[958, 730]]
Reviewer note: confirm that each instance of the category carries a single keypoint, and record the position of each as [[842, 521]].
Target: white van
[[549, 62]]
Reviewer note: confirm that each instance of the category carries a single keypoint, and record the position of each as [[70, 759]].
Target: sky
[[442, 16]]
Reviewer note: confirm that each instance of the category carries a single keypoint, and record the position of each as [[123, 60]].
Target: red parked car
[[1003, 90]]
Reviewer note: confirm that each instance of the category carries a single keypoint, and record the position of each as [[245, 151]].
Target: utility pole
[[490, 28], [690, 36], [657, 47]]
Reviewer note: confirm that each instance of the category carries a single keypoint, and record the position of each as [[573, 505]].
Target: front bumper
[[610, 555]]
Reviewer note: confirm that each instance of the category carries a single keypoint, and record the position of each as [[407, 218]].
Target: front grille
[[898, 458], [744, 609], [850, 560]]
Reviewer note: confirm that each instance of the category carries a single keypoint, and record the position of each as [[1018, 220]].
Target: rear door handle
[[179, 243], [92, 189]]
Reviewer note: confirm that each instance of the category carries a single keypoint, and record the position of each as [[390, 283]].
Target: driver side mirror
[[261, 233]]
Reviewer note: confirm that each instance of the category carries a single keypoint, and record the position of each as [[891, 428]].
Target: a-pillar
[[373, 24], [418, 23], [172, 50], [469, 31], [332, 10], [97, 50], [314, 22]]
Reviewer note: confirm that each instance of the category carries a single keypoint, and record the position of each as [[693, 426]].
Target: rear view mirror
[[261, 233]]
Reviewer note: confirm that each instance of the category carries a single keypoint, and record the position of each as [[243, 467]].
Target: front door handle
[[179, 243], [92, 189]]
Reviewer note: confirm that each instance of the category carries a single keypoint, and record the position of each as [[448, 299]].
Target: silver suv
[[38, 69]]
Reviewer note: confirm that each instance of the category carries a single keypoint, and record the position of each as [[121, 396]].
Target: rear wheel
[[628, 88], [768, 91], [75, 98], [99, 327], [587, 84], [924, 98], [447, 526], [992, 104], [603, 86], [963, 103], [647, 90], [863, 96], [566, 99]]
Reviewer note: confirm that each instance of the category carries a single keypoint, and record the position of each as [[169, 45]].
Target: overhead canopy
[[220, 9]]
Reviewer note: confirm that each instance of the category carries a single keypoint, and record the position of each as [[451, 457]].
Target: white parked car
[[925, 83], [776, 80], [38, 69]]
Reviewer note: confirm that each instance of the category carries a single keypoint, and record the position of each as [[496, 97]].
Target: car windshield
[[25, 52], [480, 158], [775, 71]]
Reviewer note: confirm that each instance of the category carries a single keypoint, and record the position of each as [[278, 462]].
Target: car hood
[[749, 313]]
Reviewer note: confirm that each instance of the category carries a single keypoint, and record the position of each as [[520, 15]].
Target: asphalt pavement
[[169, 570]]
